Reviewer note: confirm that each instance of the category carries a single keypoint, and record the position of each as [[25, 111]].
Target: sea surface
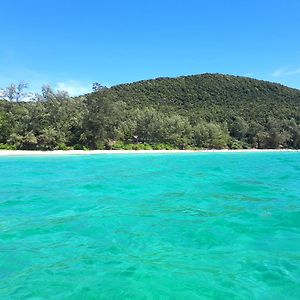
[[150, 226]]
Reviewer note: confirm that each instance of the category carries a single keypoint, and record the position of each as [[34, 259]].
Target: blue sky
[[70, 43]]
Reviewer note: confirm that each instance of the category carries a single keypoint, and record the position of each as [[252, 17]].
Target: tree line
[[130, 117]]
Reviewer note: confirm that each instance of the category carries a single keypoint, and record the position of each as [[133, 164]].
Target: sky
[[70, 44]]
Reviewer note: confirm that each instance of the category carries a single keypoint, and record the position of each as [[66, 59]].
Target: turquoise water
[[150, 226]]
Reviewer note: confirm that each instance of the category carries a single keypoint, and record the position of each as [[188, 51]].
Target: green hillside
[[200, 111], [211, 95]]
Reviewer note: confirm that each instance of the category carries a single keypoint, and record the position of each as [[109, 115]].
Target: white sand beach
[[94, 152]]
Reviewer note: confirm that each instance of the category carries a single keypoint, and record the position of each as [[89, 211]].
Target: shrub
[[164, 147], [64, 147], [7, 147], [122, 146], [235, 144]]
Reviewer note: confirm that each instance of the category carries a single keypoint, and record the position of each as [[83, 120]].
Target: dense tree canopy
[[201, 111]]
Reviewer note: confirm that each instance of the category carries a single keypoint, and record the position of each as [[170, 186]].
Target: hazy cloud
[[73, 87], [285, 72], [248, 74]]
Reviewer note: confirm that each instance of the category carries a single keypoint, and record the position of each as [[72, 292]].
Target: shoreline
[[95, 152]]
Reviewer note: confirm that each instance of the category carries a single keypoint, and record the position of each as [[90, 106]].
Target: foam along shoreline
[[92, 152]]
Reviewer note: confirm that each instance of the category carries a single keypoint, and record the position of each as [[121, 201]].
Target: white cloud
[[285, 72], [73, 87]]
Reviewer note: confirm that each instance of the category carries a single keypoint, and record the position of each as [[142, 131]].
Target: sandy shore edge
[[92, 152]]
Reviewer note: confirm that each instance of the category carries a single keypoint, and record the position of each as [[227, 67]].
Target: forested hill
[[210, 95], [200, 111]]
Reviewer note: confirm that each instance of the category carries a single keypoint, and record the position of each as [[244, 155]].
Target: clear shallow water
[[175, 226]]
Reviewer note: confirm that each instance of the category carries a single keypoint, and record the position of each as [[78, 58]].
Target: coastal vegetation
[[190, 112]]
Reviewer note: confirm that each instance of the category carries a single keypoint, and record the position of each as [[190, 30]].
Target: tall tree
[[15, 92]]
